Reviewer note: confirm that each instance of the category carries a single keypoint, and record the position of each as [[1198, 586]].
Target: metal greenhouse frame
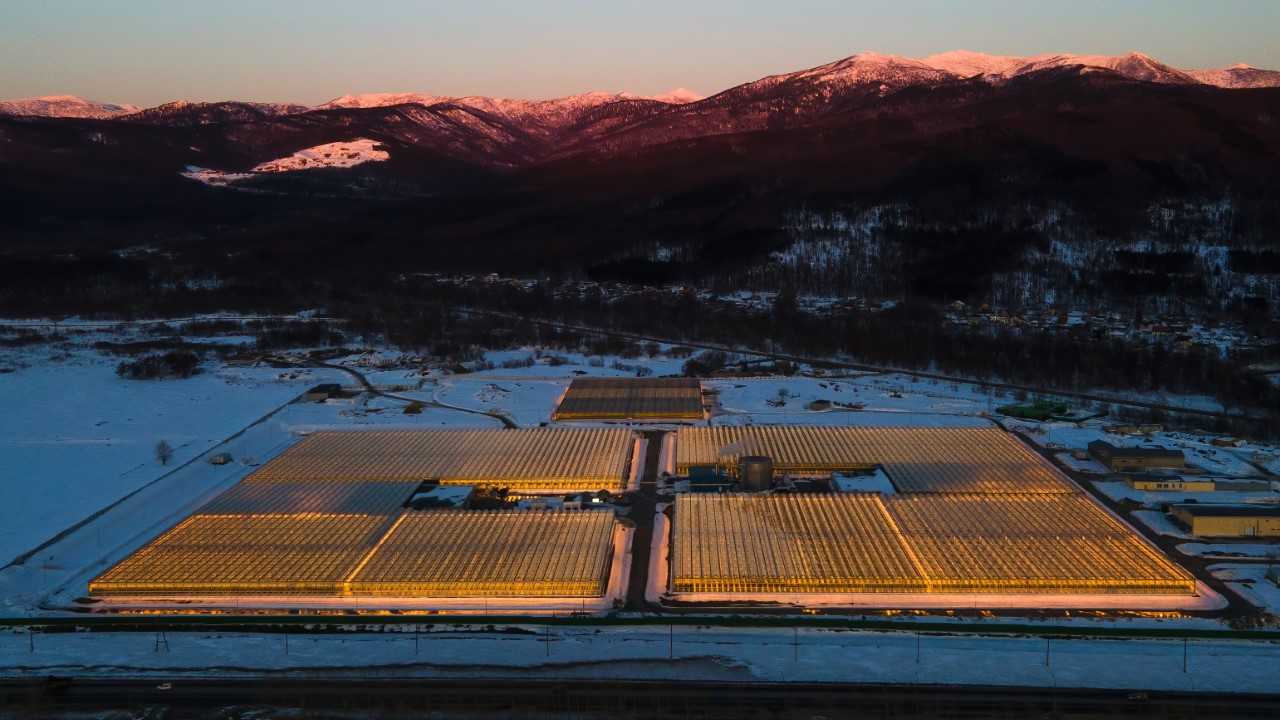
[[943, 460], [561, 459], [631, 399]]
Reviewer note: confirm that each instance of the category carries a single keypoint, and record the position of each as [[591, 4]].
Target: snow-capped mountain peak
[[1133, 65], [867, 68], [70, 106], [870, 67], [678, 96], [889, 72], [966, 63], [372, 100], [1239, 75], [504, 105]]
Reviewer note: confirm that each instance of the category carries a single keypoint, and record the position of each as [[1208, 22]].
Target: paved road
[[601, 699], [643, 503]]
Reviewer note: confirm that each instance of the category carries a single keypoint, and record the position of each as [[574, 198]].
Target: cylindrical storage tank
[[755, 473]]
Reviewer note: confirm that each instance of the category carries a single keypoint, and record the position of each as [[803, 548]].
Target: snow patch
[[330, 155], [344, 154]]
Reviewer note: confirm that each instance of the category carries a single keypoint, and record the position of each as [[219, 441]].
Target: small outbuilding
[[1129, 459], [1229, 520]]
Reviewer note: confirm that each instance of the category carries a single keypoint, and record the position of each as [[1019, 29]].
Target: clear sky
[[152, 51]]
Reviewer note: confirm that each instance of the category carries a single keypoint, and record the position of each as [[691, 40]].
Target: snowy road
[[678, 653]]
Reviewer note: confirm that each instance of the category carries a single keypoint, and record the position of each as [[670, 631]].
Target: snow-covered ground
[[867, 399], [329, 155], [527, 402], [1261, 551], [877, 482], [1227, 462], [214, 178], [74, 437], [1251, 582], [1162, 524], [661, 653], [345, 154]]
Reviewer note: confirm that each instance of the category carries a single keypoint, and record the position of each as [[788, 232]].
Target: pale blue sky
[[151, 51]]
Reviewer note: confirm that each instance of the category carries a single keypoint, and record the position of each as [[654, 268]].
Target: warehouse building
[[1180, 484], [1131, 459], [1229, 520], [1173, 484], [649, 399]]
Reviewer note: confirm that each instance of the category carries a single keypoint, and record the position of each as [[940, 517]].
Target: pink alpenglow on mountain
[[887, 72], [68, 106], [1134, 65], [1238, 76], [679, 96], [965, 63]]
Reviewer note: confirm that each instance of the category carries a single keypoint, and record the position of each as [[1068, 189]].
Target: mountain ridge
[[69, 106], [863, 67]]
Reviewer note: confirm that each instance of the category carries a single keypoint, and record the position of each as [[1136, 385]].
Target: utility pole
[[1046, 652], [31, 639]]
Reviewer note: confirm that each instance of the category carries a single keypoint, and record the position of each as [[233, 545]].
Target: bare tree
[[164, 452]]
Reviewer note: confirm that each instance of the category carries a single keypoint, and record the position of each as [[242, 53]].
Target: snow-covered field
[[868, 399], [74, 437], [528, 402], [679, 653], [1252, 583], [58, 574]]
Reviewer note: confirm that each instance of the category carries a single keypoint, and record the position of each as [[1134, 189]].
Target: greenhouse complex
[[971, 510], [544, 519], [334, 516]]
